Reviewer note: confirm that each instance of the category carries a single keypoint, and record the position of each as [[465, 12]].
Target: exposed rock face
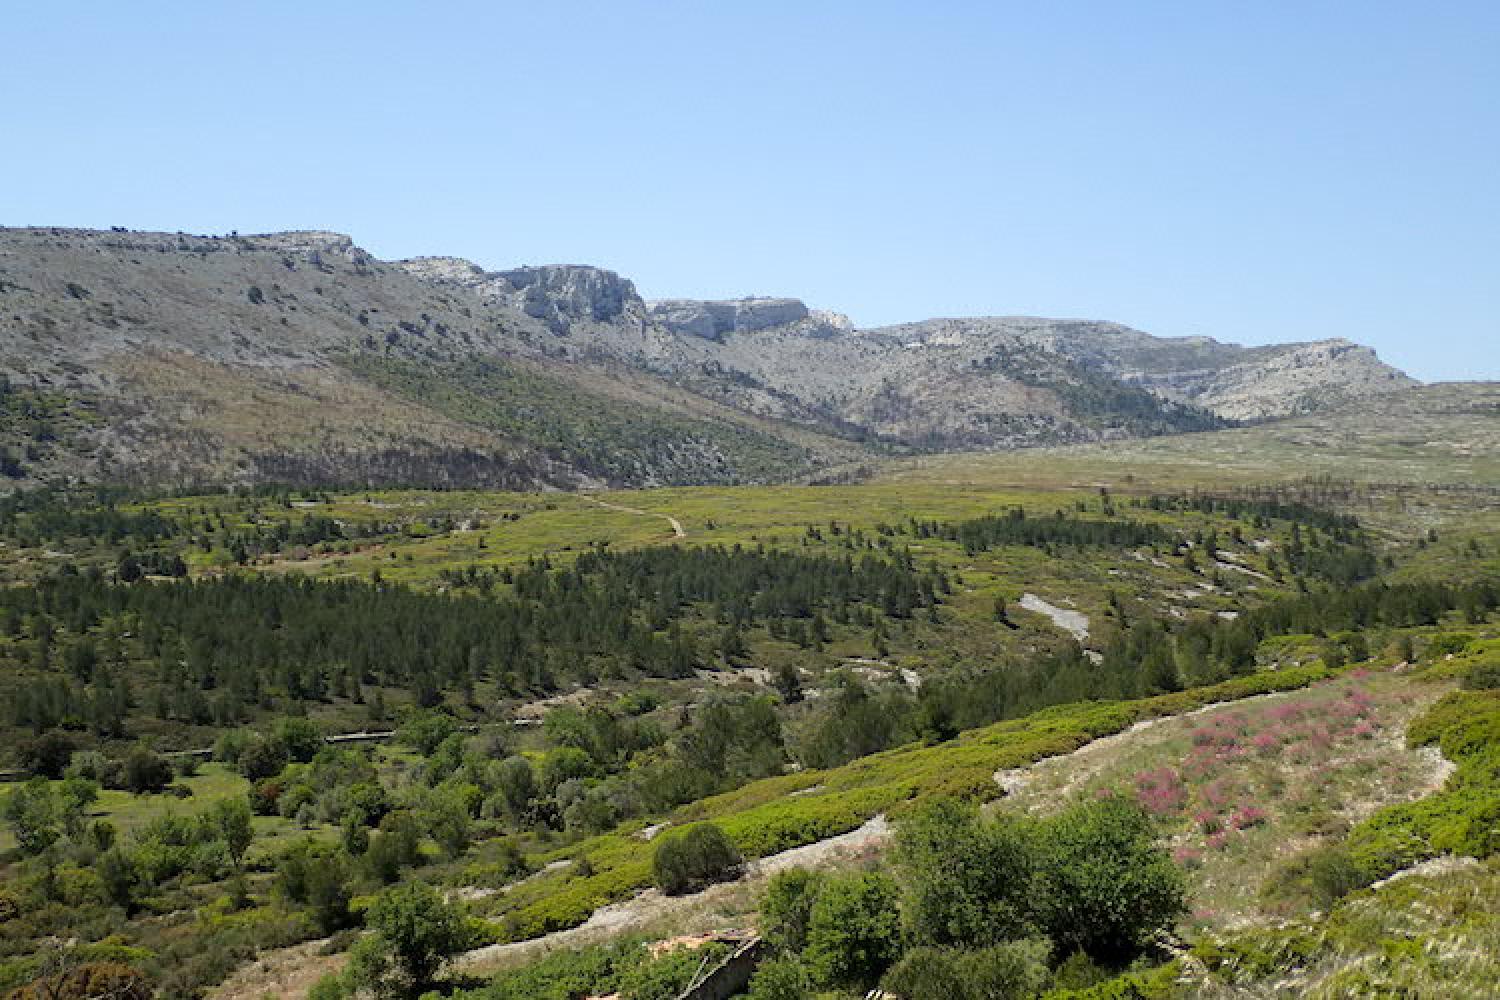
[[1296, 379], [1235, 382], [713, 320], [198, 332], [558, 295]]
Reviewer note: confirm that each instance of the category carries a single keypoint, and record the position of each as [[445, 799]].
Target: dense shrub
[[966, 883], [299, 737], [780, 979], [698, 856], [415, 932], [786, 909], [425, 731], [146, 771], [90, 980], [47, 755], [1016, 970], [1090, 879], [1484, 675], [262, 758], [1105, 887], [854, 930]]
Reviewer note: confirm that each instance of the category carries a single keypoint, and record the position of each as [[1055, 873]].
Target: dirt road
[[677, 528]]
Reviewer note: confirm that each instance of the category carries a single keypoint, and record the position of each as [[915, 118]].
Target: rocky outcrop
[[227, 325], [1285, 380], [713, 320], [558, 295], [563, 293]]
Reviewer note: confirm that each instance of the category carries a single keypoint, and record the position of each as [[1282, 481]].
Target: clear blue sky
[[1251, 171]]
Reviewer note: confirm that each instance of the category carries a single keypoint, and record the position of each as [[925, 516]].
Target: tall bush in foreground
[[415, 932], [1104, 886], [786, 909], [854, 931], [968, 883]]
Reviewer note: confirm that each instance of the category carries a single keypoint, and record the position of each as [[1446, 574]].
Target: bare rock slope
[[170, 358]]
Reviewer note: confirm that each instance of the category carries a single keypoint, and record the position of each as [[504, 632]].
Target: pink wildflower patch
[[1217, 794], [1160, 792], [1248, 817]]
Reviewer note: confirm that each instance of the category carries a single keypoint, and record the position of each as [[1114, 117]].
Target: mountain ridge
[[240, 358]]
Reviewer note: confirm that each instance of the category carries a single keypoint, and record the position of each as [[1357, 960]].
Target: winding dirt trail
[[677, 528], [292, 971], [652, 907]]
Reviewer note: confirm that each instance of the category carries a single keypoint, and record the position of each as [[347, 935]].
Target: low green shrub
[[1159, 983], [765, 817], [1016, 970], [1320, 877], [1464, 816]]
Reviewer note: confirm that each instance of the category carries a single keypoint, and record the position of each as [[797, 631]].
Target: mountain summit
[[169, 359]]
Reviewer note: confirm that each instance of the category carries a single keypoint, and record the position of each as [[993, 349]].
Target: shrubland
[[543, 695]]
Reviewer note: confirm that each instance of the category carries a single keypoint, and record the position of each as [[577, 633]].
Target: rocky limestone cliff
[[558, 295], [712, 320], [1291, 379], [196, 329]]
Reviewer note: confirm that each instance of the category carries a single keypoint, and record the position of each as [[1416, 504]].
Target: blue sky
[[1254, 172]]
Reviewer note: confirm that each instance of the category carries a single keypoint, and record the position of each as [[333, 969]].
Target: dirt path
[[292, 971], [283, 972], [652, 907], [677, 528]]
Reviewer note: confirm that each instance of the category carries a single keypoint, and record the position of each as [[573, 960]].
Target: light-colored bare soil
[[696, 912], [284, 972], [1075, 623], [291, 972]]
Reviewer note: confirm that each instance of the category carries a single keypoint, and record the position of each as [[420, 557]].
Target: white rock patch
[[1074, 622]]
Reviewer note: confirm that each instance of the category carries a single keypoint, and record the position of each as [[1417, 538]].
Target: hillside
[[168, 359], [543, 687], [1446, 434], [297, 357]]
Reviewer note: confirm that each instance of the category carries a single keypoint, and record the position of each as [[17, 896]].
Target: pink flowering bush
[[1160, 792], [1249, 816], [1188, 857], [1230, 777]]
